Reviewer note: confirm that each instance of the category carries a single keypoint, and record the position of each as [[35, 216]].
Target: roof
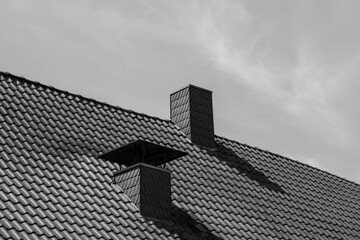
[[53, 185]]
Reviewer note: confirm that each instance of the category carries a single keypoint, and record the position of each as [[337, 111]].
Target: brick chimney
[[191, 109]]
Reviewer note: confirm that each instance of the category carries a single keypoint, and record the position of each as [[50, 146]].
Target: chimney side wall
[[191, 109]]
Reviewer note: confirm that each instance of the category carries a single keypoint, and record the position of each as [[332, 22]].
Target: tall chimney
[[191, 109]]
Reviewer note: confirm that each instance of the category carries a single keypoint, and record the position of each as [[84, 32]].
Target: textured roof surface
[[54, 186]]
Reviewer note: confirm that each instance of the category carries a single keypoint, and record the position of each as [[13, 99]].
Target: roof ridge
[[287, 158], [20, 78]]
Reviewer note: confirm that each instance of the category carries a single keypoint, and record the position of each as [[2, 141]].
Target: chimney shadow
[[184, 225], [233, 160]]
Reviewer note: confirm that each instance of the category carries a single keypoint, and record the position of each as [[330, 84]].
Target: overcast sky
[[284, 74]]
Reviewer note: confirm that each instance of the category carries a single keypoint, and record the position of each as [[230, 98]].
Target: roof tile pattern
[[53, 185]]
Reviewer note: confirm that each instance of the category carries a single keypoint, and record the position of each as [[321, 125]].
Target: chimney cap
[[192, 86], [142, 151]]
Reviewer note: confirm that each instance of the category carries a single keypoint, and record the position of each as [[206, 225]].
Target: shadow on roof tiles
[[186, 227], [233, 160]]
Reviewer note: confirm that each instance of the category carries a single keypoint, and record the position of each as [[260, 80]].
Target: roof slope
[[54, 186]]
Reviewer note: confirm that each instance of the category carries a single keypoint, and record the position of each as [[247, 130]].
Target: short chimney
[[145, 179], [149, 189], [191, 109]]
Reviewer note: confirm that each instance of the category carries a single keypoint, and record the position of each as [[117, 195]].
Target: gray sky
[[284, 74]]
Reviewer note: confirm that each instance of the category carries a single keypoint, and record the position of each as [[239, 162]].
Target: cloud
[[216, 39], [279, 53]]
